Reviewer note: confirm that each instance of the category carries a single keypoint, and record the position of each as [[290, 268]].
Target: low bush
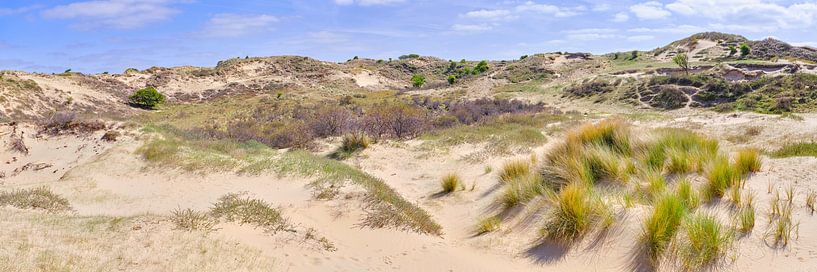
[[64, 122], [147, 98]]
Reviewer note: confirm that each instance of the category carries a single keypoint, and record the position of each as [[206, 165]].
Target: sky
[[112, 35]]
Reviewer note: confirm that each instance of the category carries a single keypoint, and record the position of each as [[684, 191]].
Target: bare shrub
[[67, 123]]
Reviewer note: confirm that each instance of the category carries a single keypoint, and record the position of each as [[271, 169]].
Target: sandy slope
[[101, 178]]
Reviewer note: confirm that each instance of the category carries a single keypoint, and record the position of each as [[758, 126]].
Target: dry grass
[[36, 241], [514, 169], [811, 196], [451, 183], [36, 198], [781, 227], [746, 219], [190, 220], [245, 210], [522, 189], [352, 143], [489, 224]]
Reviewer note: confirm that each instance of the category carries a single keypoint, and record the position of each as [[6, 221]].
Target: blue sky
[[111, 35]]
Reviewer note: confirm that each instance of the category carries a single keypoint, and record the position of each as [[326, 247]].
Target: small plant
[[746, 219], [522, 189], [682, 61], [352, 143], [147, 98], [488, 169], [747, 161], [781, 228], [110, 136], [244, 210], [190, 220], [744, 50], [418, 80], [36, 198], [481, 67], [656, 184], [704, 242], [660, 227], [489, 224], [811, 196], [452, 79], [514, 169], [451, 183], [796, 150]]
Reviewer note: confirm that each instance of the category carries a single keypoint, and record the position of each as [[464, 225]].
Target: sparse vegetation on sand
[[352, 143], [660, 227], [36, 198], [489, 224], [577, 210], [796, 150], [781, 226], [704, 241], [514, 169], [245, 210], [190, 220]]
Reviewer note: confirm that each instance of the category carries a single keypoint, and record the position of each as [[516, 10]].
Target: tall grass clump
[[514, 169], [746, 219], [522, 189], [781, 228], [611, 133], [747, 161], [656, 184], [190, 220], [576, 211], [811, 196], [703, 242], [688, 194], [352, 143], [451, 183], [720, 176], [660, 227]]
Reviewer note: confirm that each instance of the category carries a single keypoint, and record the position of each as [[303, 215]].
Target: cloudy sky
[[111, 35]]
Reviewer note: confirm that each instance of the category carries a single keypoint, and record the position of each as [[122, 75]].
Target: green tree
[[418, 80], [147, 98], [481, 67], [682, 61], [452, 79], [744, 50]]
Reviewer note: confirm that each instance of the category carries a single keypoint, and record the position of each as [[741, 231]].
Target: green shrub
[[744, 50], [418, 80], [452, 79], [147, 98], [481, 67]]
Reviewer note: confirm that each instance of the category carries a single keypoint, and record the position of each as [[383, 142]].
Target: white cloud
[[640, 38], [20, 10], [368, 2], [649, 10], [621, 17], [550, 9], [234, 25], [592, 34], [496, 14], [123, 14], [601, 7], [471, 28], [749, 15]]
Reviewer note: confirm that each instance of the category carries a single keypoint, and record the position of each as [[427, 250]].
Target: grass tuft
[[352, 143], [688, 194], [811, 196], [35, 198], [720, 176], [746, 219], [661, 226], [521, 190], [190, 220], [577, 210], [796, 150], [703, 243], [244, 210], [489, 224], [451, 183], [514, 169], [747, 161]]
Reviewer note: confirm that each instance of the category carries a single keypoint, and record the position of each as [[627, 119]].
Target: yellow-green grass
[[704, 242], [352, 143], [781, 228], [796, 150], [688, 194], [719, 177], [576, 211], [500, 134], [514, 169], [522, 189], [451, 183], [746, 219], [811, 196], [245, 210], [661, 226], [489, 224], [747, 161]]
